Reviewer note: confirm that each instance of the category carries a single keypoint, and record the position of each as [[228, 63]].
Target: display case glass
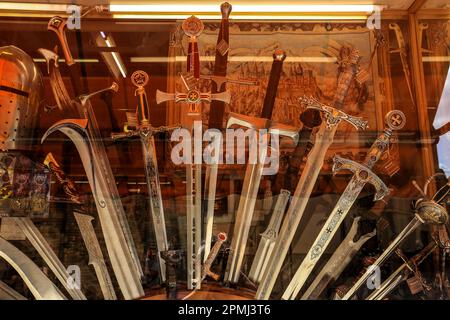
[[275, 150]]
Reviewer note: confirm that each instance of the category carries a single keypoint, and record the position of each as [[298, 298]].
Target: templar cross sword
[[323, 140], [363, 174], [138, 125], [216, 117], [192, 27]]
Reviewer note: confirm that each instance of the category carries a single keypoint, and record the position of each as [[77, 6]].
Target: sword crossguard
[[334, 116], [193, 96], [85, 97], [262, 123], [363, 175]]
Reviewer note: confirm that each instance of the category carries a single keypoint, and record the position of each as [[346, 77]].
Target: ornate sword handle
[[193, 27], [140, 79], [332, 115]]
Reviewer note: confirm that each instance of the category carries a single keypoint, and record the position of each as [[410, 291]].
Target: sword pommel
[[395, 120], [58, 26], [334, 116], [192, 27], [279, 55], [362, 174], [225, 9]]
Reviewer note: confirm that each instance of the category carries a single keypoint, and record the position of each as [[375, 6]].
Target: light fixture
[[233, 59], [112, 58], [40, 60], [243, 11]]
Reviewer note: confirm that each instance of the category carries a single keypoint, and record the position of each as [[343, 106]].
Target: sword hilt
[[275, 73], [58, 25], [334, 116], [362, 174], [193, 27], [140, 79]]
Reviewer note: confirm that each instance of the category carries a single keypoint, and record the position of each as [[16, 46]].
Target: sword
[[40, 286], [85, 134], [402, 273], [41, 245], [216, 116], [138, 125], [95, 255], [268, 238], [206, 268], [8, 293], [338, 261], [324, 139], [216, 112], [254, 171], [363, 174], [87, 231], [192, 27], [403, 56], [426, 212]]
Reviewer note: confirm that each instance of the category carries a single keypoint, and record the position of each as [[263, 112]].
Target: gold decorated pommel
[[395, 120], [334, 116], [279, 55], [431, 213], [225, 9], [221, 236], [192, 27], [139, 78]]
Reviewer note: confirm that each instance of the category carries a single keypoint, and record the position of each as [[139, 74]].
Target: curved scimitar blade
[[40, 286]]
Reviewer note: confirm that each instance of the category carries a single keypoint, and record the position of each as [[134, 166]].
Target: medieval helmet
[[21, 92]]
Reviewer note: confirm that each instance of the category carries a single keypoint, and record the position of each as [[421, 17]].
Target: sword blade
[[389, 284], [243, 220], [48, 255], [268, 238], [412, 225], [338, 261], [40, 286], [210, 188], [8, 293], [108, 204], [296, 209], [155, 200], [95, 255], [106, 176], [323, 239]]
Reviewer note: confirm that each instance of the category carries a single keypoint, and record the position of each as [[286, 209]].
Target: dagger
[[363, 174], [39, 284]]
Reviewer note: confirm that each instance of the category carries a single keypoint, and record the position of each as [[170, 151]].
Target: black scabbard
[[310, 119], [217, 108], [272, 87]]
